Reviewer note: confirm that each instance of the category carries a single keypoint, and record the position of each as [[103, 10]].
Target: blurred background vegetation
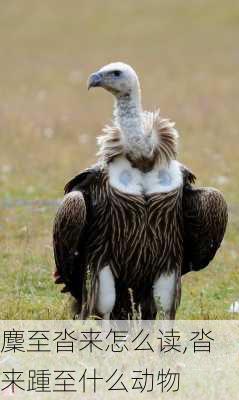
[[186, 54]]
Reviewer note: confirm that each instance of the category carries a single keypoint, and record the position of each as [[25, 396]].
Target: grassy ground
[[186, 54]]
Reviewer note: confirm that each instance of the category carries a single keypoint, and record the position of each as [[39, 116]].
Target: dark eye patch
[[116, 73]]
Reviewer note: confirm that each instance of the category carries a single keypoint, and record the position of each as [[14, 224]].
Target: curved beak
[[94, 80]]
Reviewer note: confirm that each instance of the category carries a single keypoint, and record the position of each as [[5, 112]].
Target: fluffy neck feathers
[[158, 136]]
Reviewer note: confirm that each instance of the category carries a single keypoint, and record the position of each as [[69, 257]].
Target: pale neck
[[128, 113], [128, 116]]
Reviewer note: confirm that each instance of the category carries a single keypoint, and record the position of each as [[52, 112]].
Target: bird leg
[[164, 292], [106, 293]]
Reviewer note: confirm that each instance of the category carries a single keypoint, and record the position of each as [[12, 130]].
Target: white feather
[[161, 179], [120, 168], [164, 290], [106, 291]]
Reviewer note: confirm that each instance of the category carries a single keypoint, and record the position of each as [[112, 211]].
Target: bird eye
[[116, 73]]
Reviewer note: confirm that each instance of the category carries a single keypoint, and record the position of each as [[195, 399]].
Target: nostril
[[94, 80]]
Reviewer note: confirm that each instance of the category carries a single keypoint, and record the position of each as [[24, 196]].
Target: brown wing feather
[[205, 220], [68, 234]]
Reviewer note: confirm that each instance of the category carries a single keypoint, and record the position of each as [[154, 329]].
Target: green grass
[[186, 56]]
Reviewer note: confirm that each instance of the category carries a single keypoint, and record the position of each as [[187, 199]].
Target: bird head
[[118, 78]]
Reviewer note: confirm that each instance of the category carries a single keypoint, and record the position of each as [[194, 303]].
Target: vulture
[[131, 225]]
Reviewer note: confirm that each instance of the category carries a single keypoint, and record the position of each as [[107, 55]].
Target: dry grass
[[186, 55]]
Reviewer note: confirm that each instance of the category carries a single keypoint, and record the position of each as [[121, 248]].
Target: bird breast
[[160, 179]]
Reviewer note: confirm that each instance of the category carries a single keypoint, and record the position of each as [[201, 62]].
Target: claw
[[57, 277], [59, 280], [56, 274], [65, 290]]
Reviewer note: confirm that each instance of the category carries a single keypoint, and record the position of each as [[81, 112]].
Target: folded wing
[[205, 220], [69, 235]]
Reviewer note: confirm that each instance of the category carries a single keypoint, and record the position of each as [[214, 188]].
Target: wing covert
[[69, 234], [205, 220]]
